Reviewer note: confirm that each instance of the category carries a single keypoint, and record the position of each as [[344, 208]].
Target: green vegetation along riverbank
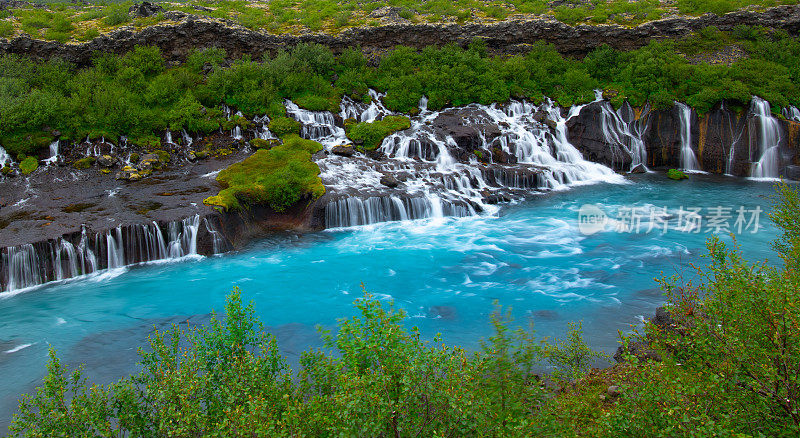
[[723, 362], [136, 95]]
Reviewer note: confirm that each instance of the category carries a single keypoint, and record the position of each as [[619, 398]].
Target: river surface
[[444, 272]]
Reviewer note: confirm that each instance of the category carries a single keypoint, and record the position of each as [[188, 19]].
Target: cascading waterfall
[[688, 158], [792, 113], [316, 125], [53, 153], [435, 182], [768, 140], [5, 158], [29, 265], [624, 132], [352, 211]]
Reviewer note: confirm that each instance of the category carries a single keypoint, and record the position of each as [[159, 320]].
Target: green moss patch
[[278, 177], [84, 163], [28, 165], [370, 135]]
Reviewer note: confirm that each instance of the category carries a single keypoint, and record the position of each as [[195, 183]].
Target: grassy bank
[[137, 96], [727, 364], [63, 21]]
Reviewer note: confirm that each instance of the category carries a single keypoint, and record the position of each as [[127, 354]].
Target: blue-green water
[[444, 272]]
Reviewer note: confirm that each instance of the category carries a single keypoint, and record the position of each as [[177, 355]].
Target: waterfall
[[768, 140], [5, 158], [792, 113], [22, 267], [218, 243], [114, 252], [688, 158], [364, 112], [624, 135], [168, 137], [352, 211], [437, 176], [187, 138], [319, 126], [29, 265], [53, 153]]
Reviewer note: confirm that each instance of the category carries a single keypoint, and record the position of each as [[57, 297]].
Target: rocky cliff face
[[188, 32], [723, 141]]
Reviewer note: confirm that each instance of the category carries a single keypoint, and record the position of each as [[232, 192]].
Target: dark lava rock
[[343, 150], [444, 312], [641, 349], [190, 155], [585, 132], [639, 168], [389, 181], [468, 127], [106, 161], [145, 9]]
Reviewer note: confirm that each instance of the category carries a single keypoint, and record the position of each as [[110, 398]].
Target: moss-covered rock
[[28, 165], [84, 163], [278, 177], [370, 135], [676, 174]]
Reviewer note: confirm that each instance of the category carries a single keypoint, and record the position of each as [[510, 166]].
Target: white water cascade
[[792, 113], [30, 265], [53, 153], [624, 132], [437, 177], [688, 158], [5, 158], [767, 141]]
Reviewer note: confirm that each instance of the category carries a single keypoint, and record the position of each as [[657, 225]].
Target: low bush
[[282, 126], [676, 174]]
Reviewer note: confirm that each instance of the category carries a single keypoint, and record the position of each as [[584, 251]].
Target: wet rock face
[[663, 138], [585, 131], [505, 37]]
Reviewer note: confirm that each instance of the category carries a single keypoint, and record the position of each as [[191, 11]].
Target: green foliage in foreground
[[370, 135], [676, 174], [731, 367], [278, 177], [374, 378], [137, 96]]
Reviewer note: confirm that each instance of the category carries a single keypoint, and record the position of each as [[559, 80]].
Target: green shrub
[[279, 177], [282, 126], [370, 135], [676, 174], [28, 165], [6, 29], [116, 15]]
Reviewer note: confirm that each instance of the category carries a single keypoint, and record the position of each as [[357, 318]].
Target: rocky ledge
[[185, 32]]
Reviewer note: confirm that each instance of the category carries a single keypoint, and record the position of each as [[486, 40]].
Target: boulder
[[190, 155], [144, 9], [343, 150], [106, 161], [389, 181], [639, 168]]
